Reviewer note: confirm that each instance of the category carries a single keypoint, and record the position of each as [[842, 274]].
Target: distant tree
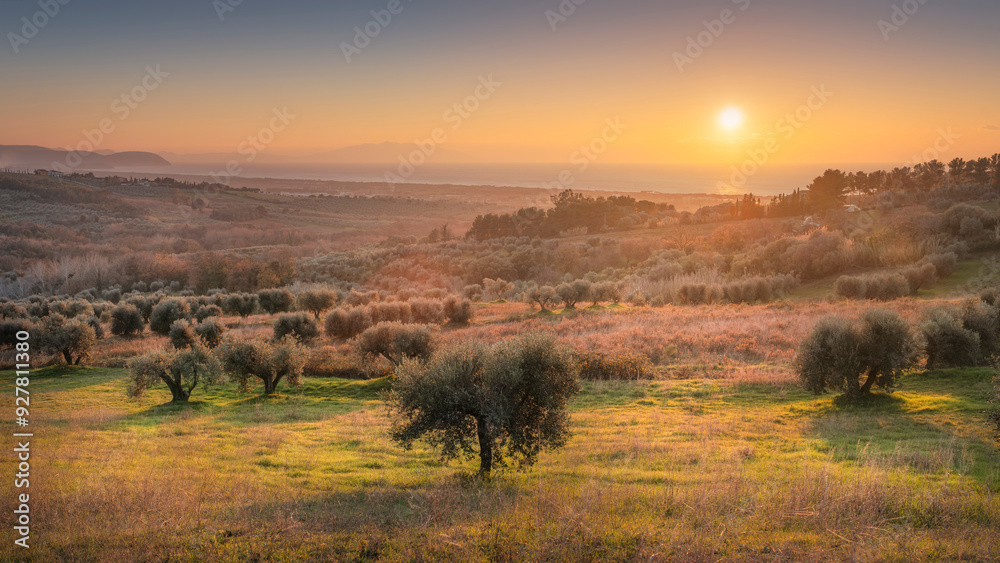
[[165, 313], [827, 191], [210, 332], [948, 342], [9, 330], [246, 360], [574, 292], [543, 296], [458, 310], [275, 301], [11, 310], [298, 325], [180, 370], [182, 334], [317, 300], [839, 353], [126, 321], [510, 399], [396, 341], [242, 304], [73, 339]]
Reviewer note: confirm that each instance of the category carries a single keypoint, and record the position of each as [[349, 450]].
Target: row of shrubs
[[893, 285], [352, 321]]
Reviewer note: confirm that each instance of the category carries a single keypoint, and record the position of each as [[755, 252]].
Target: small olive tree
[[509, 399], [396, 341], [180, 370], [165, 313], [299, 325], [246, 360], [73, 339], [839, 353], [275, 301], [317, 300]]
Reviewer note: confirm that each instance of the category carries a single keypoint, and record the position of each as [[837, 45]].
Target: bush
[[275, 301], [920, 276], [427, 311], [945, 263], [298, 325], [395, 342], [838, 352], [984, 320], [95, 323], [72, 308], [143, 304], [458, 310], [207, 311], [510, 399], [598, 366], [182, 334], [126, 321], [165, 313], [948, 343], [881, 287], [210, 332], [11, 310]]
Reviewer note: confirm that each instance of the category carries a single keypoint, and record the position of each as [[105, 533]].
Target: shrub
[[945, 263], [72, 308], [510, 399], [427, 311], [165, 313], [143, 304], [11, 310], [984, 320], [182, 334], [126, 321], [275, 301], [598, 366], [458, 310], [210, 332], [246, 360], [881, 287], [317, 301], [948, 343], [337, 324], [207, 311], [181, 370], [95, 323], [298, 325], [920, 276], [838, 352], [395, 342]]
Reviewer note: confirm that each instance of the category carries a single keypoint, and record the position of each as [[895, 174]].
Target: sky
[[510, 81]]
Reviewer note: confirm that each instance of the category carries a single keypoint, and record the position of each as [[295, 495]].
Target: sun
[[731, 118]]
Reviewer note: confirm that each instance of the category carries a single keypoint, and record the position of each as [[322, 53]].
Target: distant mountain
[[30, 156], [380, 153]]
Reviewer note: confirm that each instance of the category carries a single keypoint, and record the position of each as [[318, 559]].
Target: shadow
[[871, 403]]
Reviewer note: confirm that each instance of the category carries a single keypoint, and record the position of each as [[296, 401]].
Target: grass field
[[691, 470]]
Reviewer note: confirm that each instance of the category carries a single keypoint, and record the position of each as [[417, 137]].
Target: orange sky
[[891, 98]]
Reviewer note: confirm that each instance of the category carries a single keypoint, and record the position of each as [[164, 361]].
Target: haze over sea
[[610, 177]]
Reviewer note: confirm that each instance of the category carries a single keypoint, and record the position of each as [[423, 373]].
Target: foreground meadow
[[682, 469]]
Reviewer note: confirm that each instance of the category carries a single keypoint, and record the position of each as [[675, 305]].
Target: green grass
[[689, 469]]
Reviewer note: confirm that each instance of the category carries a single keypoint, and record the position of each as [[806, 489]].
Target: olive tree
[[395, 342], [165, 313], [246, 360], [298, 325], [839, 353], [276, 300], [317, 300], [74, 339], [180, 370], [508, 398]]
